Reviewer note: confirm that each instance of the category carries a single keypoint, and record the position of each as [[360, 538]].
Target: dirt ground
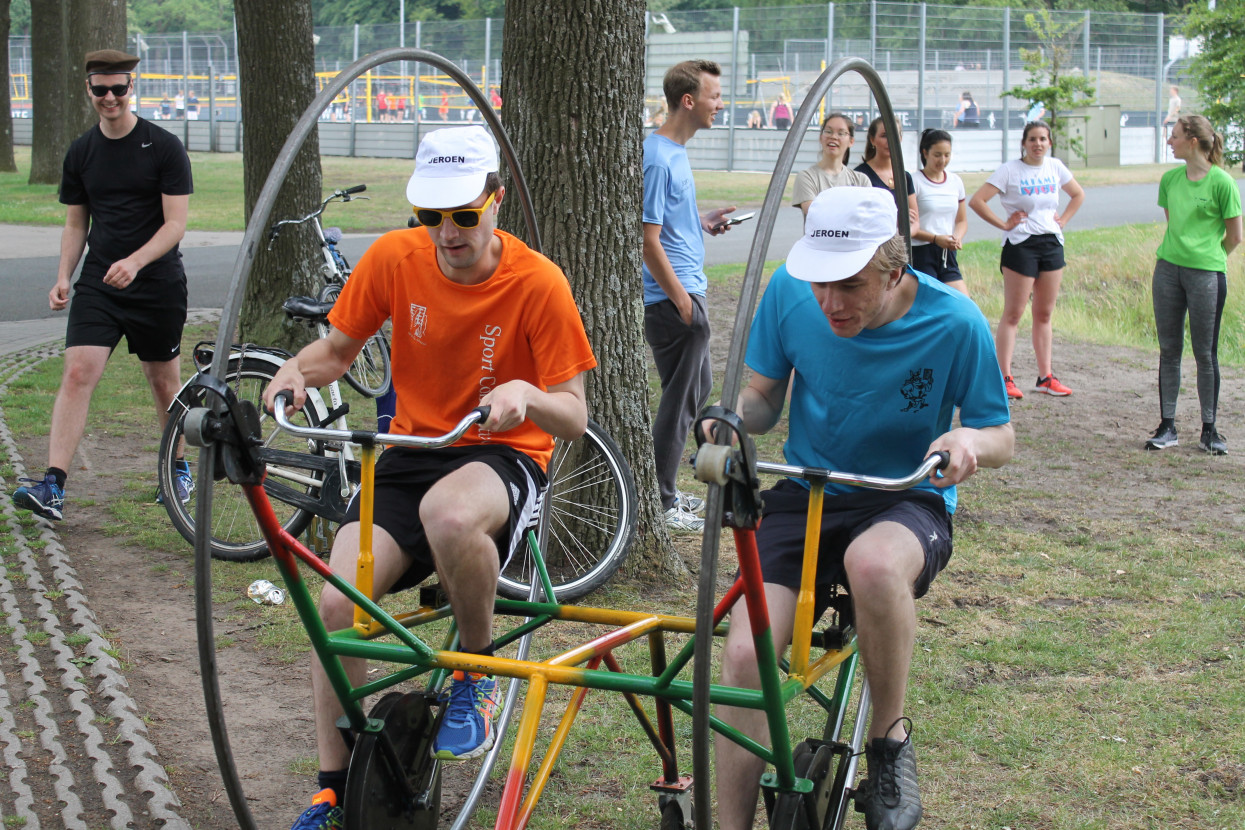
[[143, 598]]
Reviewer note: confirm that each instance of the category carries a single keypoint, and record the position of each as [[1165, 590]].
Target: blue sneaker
[[323, 814], [467, 730], [43, 498], [184, 482]]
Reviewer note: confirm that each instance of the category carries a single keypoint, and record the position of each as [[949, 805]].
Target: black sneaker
[[889, 797], [1211, 441], [1163, 437]]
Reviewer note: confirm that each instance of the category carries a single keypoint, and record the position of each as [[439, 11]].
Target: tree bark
[[91, 25], [47, 91], [8, 164], [277, 83], [572, 80]]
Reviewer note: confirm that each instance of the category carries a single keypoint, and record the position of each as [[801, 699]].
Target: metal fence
[[927, 55]]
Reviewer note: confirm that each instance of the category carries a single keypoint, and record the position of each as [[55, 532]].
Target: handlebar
[[355, 436], [935, 461], [346, 195]]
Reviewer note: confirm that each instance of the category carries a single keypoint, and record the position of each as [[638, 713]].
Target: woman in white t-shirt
[[836, 137], [1032, 261], [940, 202]]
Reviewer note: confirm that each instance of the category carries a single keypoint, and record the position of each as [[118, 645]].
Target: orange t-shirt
[[453, 343]]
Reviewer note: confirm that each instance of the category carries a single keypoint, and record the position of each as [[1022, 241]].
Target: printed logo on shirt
[[1038, 187], [419, 321], [916, 388], [488, 372]]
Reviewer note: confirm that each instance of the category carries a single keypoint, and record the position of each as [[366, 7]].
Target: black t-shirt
[[864, 167], [121, 181]]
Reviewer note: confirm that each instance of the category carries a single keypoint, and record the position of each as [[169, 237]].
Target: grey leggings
[[1201, 295]]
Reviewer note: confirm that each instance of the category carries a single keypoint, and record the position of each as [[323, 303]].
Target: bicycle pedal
[[433, 596]]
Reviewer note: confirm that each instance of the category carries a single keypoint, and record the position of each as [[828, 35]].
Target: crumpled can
[[264, 592]]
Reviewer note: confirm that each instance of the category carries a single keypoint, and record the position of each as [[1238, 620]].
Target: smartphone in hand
[[734, 220]]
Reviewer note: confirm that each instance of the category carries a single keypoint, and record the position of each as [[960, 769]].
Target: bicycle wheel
[[235, 533], [587, 519], [370, 373]]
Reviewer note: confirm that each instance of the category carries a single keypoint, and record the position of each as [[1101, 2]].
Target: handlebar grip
[[358, 188], [944, 459], [483, 412], [283, 399]]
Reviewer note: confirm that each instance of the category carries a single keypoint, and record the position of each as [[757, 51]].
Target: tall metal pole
[[185, 86], [920, 77], [829, 53], [488, 52], [730, 121], [1159, 73], [1007, 78], [1085, 47]]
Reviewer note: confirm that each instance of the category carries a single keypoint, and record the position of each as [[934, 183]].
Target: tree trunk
[[91, 25], [572, 80], [47, 91], [7, 163], [276, 64]]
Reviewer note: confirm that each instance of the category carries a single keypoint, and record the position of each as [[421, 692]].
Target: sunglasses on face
[[117, 90], [465, 218]]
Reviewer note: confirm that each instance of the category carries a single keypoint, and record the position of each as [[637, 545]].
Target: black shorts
[[780, 538], [404, 475], [1043, 252], [151, 323], [940, 263]]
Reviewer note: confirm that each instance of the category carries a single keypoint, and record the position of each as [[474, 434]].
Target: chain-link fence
[[928, 56]]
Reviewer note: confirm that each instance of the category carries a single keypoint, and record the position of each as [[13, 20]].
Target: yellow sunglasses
[[465, 218]]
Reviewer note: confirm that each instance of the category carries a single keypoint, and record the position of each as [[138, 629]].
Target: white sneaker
[[689, 503], [679, 519]]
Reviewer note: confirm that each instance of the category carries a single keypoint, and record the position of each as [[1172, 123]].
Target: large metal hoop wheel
[[251, 243], [706, 595]]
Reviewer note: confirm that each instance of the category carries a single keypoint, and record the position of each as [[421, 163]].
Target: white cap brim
[[443, 192], [811, 264]]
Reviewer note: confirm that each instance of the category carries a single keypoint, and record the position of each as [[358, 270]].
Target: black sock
[[59, 475], [1208, 427], [1167, 422], [487, 651], [335, 781]]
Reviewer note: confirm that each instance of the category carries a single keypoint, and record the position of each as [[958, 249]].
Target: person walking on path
[[1203, 209], [676, 318], [1032, 261], [877, 166], [460, 510], [126, 185], [836, 138], [944, 219], [876, 358]]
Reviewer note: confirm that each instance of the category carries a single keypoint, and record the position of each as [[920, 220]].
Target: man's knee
[[336, 609], [739, 663]]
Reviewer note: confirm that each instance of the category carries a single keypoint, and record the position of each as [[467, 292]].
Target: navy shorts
[[780, 537], [151, 324], [940, 263], [1043, 252], [404, 475]]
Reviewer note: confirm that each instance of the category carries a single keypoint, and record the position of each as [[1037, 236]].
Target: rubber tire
[[236, 536], [672, 816], [587, 542], [815, 765], [369, 801], [371, 372]]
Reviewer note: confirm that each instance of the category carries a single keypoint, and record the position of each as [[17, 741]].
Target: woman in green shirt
[[1203, 209]]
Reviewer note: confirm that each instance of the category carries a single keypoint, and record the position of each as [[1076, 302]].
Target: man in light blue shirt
[[880, 360], [676, 322]]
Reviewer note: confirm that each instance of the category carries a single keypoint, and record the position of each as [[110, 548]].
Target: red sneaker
[[1013, 391], [1051, 386]]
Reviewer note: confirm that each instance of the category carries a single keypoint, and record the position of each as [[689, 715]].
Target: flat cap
[[109, 62]]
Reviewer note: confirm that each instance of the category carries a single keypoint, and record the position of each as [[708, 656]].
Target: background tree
[[61, 33], [1053, 77], [1220, 69], [7, 163], [276, 84], [572, 80]]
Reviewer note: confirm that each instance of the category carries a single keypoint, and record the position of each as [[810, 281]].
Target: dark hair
[[874, 126], [684, 79], [929, 138], [966, 95], [851, 130], [1199, 128], [1030, 127]]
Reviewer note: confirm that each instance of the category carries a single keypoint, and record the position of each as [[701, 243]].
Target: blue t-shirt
[[670, 201], [873, 403]]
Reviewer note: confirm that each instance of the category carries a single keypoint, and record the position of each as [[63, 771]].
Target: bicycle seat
[[307, 308], [332, 235]]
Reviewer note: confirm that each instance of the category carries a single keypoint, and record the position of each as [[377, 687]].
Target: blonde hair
[[892, 255]]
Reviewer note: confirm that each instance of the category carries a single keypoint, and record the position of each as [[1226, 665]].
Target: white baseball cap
[[843, 230], [451, 167]]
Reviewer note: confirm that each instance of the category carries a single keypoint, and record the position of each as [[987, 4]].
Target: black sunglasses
[[117, 90]]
